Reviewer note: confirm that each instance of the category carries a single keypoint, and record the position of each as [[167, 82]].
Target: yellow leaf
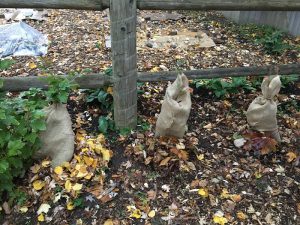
[[46, 163], [41, 217], [291, 156], [105, 154], [220, 220], [70, 206], [68, 185], [23, 209], [109, 222], [66, 165], [109, 90], [35, 169], [77, 187], [89, 176], [98, 148], [88, 160], [200, 157], [151, 214], [155, 69], [225, 193], [136, 214], [38, 185], [82, 171], [240, 215], [100, 138], [203, 192], [58, 170], [32, 65], [91, 144], [77, 158]]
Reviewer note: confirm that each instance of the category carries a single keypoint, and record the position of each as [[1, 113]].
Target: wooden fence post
[[124, 65]]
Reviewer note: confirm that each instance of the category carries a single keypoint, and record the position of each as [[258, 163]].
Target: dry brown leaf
[[165, 161]]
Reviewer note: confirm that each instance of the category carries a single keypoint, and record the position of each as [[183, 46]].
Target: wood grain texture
[[123, 40], [250, 5], [56, 4], [222, 73], [97, 80]]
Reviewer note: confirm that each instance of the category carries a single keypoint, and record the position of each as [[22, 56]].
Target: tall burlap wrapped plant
[[58, 138], [261, 114], [175, 110]]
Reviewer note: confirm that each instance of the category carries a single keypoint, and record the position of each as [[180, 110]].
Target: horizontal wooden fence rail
[[95, 81], [261, 5]]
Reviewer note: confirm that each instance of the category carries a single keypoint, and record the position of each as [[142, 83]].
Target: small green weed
[[5, 64]]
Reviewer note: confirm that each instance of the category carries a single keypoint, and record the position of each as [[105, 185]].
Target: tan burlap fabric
[[261, 114], [58, 138], [175, 110]]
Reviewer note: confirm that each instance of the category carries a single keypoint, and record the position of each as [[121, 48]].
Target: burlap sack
[[261, 114], [58, 138], [175, 109]]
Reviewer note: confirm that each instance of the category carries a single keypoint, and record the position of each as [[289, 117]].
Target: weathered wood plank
[[95, 81], [250, 5], [123, 40], [56, 4], [221, 73], [24, 83]]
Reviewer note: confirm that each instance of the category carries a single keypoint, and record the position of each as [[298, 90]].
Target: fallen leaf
[[44, 208], [88, 160], [208, 126], [32, 65], [38, 185], [220, 220], [70, 206], [236, 198], [68, 185], [291, 156], [41, 218], [46, 163], [23, 209], [136, 214], [58, 170], [165, 161], [77, 187], [35, 168], [200, 157], [203, 192], [151, 214], [240, 215], [109, 222]]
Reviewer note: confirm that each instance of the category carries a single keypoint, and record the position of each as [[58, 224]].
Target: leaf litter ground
[[138, 179]]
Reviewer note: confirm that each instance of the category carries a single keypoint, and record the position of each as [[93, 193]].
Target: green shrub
[[222, 87], [21, 120]]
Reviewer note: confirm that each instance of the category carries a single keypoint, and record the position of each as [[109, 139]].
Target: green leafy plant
[[5, 64], [289, 80], [269, 37], [222, 87], [21, 120], [106, 124], [105, 99]]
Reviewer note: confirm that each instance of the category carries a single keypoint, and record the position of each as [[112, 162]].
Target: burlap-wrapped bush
[[261, 114], [175, 110], [58, 138]]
